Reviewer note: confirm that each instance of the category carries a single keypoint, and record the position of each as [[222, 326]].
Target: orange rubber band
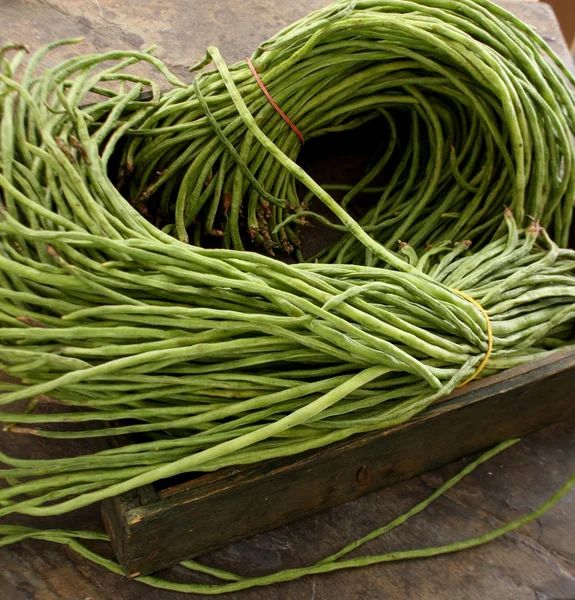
[[273, 103], [489, 336]]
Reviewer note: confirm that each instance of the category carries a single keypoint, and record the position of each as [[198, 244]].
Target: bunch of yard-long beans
[[227, 358], [218, 357], [478, 118]]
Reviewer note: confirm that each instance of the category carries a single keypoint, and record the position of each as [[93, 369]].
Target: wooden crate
[[152, 528]]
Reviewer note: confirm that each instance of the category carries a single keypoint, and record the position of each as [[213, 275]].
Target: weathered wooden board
[[152, 529]]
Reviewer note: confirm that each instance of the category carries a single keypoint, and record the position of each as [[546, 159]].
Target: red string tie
[[272, 101]]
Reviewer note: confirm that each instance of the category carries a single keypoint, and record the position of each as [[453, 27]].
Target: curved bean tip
[[217, 232], [534, 228]]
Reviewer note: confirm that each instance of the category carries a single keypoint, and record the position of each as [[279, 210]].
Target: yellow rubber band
[[489, 336]]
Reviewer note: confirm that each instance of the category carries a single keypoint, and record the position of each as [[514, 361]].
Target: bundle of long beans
[[478, 118], [219, 357], [286, 359]]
